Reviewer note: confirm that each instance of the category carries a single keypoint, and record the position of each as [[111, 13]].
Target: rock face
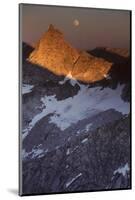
[[54, 53], [88, 162], [58, 56], [89, 68]]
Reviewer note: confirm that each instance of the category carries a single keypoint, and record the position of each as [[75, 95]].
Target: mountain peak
[[53, 30], [54, 53], [57, 55], [51, 27]]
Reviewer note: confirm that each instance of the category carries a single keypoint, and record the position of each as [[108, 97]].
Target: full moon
[[76, 22]]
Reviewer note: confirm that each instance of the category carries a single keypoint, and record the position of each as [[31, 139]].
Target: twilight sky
[[96, 28]]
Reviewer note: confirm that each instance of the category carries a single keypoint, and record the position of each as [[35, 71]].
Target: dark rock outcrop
[[85, 163]]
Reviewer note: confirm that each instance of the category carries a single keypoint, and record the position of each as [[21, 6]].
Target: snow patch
[[87, 128], [84, 140], [35, 153], [64, 81], [78, 132], [70, 78], [87, 102], [122, 170], [26, 88], [68, 152], [72, 180]]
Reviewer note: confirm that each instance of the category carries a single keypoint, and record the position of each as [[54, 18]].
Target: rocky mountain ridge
[[57, 55], [76, 135]]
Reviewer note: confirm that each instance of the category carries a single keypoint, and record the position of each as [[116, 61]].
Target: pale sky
[[96, 28]]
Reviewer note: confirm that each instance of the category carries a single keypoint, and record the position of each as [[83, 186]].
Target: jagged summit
[[54, 53], [53, 29], [57, 55]]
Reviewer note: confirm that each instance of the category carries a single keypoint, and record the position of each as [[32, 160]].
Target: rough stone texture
[[126, 93], [105, 150], [75, 161], [88, 68], [50, 136], [54, 53]]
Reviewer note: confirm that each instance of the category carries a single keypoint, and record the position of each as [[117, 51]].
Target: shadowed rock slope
[[87, 162]]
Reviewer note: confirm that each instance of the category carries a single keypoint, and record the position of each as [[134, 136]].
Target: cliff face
[[93, 160], [54, 53], [90, 69], [58, 56]]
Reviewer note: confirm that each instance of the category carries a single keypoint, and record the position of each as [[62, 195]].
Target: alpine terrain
[[75, 117]]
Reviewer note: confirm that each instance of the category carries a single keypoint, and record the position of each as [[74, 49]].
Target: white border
[[9, 97]]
